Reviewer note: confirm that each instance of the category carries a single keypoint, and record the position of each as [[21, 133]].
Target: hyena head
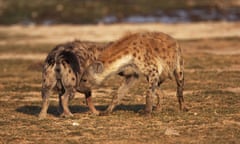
[[80, 56], [88, 77]]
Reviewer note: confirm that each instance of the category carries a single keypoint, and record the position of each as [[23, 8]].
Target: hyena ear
[[98, 67]]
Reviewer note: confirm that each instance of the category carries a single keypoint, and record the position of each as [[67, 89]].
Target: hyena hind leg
[[64, 101], [60, 91], [48, 83], [46, 92], [159, 95], [66, 86], [152, 84]]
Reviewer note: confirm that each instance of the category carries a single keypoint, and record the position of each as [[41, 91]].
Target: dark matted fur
[[62, 71]]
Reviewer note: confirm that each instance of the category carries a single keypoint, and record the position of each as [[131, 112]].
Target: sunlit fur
[[155, 55]]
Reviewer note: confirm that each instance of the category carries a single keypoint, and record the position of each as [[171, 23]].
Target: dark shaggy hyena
[[62, 70]]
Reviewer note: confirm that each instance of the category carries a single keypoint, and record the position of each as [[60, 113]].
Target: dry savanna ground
[[212, 91]]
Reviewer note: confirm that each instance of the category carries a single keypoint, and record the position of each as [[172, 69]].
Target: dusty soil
[[99, 33], [212, 90]]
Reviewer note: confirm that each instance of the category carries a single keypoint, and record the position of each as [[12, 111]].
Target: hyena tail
[[179, 77], [66, 62]]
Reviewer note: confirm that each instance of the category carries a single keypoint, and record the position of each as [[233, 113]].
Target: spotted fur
[[155, 55], [62, 70]]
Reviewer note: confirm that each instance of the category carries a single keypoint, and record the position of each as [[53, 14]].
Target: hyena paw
[[157, 108], [104, 113], [96, 112], [145, 113], [185, 109], [66, 115], [42, 116]]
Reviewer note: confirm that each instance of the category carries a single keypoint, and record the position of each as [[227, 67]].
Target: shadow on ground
[[53, 110]]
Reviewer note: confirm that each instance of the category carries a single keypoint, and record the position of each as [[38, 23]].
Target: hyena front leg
[[130, 80], [60, 90], [48, 83], [88, 96]]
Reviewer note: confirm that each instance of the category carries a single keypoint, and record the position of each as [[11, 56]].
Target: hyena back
[[155, 55], [62, 70]]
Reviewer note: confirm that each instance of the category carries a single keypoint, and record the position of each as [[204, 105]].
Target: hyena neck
[[112, 67], [114, 58]]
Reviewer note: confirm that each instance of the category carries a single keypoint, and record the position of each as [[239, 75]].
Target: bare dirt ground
[[212, 91], [99, 33]]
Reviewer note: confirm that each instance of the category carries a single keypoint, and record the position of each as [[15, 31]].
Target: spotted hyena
[[155, 55], [62, 70]]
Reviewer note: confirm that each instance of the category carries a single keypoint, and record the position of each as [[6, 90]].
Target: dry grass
[[211, 92], [32, 35]]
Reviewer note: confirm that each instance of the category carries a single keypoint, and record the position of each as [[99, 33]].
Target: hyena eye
[[83, 80]]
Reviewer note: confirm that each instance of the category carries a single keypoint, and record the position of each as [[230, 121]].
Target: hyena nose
[[83, 80]]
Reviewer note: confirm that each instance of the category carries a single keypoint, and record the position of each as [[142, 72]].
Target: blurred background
[[207, 30], [49, 12]]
